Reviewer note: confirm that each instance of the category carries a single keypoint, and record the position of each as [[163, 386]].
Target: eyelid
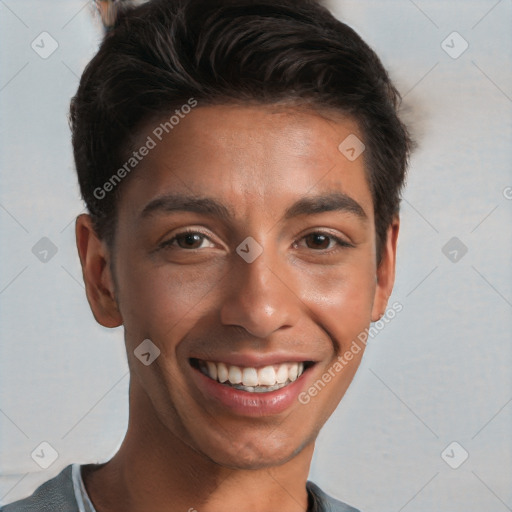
[[168, 241], [341, 241]]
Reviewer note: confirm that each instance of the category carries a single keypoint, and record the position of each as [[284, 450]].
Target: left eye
[[188, 240], [323, 241]]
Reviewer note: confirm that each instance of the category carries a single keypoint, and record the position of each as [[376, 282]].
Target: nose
[[261, 297]]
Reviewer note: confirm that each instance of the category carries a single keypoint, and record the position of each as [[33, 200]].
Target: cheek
[[163, 304], [341, 299]]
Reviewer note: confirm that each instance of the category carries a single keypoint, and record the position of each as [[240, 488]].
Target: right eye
[[189, 240]]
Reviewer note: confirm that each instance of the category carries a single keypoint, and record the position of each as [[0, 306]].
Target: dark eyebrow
[[177, 202], [336, 201]]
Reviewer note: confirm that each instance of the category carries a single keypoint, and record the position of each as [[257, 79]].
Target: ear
[[386, 271], [99, 284]]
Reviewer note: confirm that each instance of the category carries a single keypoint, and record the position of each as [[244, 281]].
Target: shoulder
[[55, 495], [322, 502]]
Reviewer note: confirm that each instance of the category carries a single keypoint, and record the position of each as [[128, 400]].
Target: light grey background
[[438, 373]]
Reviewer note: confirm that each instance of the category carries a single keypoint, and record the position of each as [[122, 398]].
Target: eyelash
[[168, 243], [340, 242]]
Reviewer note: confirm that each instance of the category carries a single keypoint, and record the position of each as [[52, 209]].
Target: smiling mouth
[[253, 380]]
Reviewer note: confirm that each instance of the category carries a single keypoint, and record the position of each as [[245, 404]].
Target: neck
[[155, 470]]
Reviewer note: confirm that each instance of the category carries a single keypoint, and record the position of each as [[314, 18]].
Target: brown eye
[[190, 240], [322, 241], [318, 241]]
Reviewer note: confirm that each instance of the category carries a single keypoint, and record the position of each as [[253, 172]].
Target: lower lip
[[245, 403]]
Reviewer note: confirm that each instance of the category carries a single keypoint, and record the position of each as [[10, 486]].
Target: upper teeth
[[266, 376]]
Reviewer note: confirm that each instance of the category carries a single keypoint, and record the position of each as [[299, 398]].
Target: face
[[245, 251]]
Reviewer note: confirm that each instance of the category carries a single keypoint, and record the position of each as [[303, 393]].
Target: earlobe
[[386, 271], [99, 284]]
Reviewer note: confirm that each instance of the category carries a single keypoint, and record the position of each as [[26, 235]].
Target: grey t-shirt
[[66, 493]]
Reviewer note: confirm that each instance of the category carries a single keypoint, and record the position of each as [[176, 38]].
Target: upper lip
[[255, 360]]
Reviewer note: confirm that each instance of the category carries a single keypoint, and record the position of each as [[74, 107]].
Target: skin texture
[[302, 296]]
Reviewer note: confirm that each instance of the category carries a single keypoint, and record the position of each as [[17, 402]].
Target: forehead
[[250, 157]]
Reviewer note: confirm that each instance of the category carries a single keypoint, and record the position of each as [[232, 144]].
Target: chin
[[254, 454]]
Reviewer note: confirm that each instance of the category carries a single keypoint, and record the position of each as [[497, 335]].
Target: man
[[242, 163]]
